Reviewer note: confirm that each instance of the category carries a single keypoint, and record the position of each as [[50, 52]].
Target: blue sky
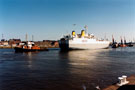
[[49, 19]]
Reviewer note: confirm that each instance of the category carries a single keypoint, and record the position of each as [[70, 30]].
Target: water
[[73, 70]]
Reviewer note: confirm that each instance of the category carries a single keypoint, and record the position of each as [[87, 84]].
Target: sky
[[50, 19]]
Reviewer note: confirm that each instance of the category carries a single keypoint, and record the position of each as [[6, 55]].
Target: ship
[[28, 47], [82, 41], [130, 44]]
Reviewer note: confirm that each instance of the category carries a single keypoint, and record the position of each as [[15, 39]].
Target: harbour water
[[56, 70]]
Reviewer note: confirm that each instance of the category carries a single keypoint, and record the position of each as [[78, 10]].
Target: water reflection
[[81, 57], [30, 57], [29, 54], [85, 66]]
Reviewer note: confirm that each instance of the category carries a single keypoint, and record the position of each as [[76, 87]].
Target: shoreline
[[6, 47], [9, 47], [131, 80]]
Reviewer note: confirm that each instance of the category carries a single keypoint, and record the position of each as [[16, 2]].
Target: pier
[[129, 86]]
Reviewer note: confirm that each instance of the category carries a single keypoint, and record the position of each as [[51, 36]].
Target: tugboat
[[114, 43], [130, 44], [28, 47], [123, 44]]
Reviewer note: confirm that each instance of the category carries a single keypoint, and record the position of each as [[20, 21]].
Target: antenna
[[67, 31], [105, 37], [2, 36], [74, 26], [86, 29]]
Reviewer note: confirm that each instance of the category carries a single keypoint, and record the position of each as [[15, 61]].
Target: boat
[[82, 41], [114, 43], [130, 44], [123, 44], [28, 47]]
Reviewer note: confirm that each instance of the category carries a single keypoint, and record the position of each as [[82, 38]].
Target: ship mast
[[32, 38], [105, 37], [86, 29], [2, 36], [112, 39], [26, 37], [121, 40], [125, 40]]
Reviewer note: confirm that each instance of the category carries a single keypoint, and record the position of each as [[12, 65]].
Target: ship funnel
[[83, 33], [73, 33]]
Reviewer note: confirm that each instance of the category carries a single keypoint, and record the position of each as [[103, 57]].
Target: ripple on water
[[73, 70]]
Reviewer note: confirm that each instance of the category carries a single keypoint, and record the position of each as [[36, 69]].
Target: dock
[[129, 86]]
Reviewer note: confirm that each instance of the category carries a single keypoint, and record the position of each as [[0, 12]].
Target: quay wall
[[42, 44]]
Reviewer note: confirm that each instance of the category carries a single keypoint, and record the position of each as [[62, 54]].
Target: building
[[14, 42], [48, 43], [5, 43]]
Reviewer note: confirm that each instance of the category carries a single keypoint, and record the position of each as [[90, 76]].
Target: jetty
[[129, 86]]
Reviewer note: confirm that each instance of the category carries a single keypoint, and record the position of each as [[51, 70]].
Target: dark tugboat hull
[[115, 46], [130, 45], [28, 50]]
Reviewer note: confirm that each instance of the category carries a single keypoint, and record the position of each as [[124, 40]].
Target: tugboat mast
[[32, 38], [26, 37]]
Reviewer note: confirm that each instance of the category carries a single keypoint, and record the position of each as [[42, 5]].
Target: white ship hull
[[88, 46], [84, 44]]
